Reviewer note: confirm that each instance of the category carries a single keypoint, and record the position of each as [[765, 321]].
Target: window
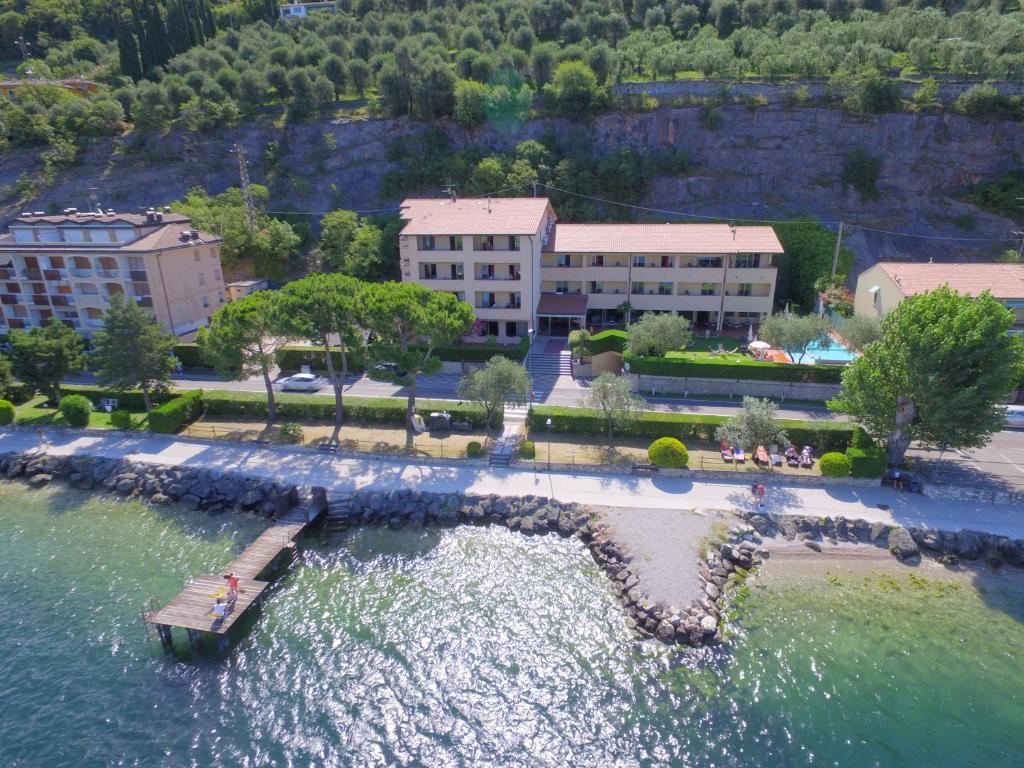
[[511, 329], [486, 271], [596, 287], [217, 276], [456, 271], [88, 289], [744, 289], [639, 261], [202, 279], [666, 261], [637, 288], [460, 295], [455, 243], [562, 260], [425, 242], [708, 289], [561, 286], [206, 303], [428, 271], [220, 297], [598, 260], [486, 243], [709, 261], [196, 254], [486, 300], [664, 289], [136, 263], [513, 242], [746, 260]]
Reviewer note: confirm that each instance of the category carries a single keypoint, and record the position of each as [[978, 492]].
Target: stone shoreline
[[697, 624], [905, 544]]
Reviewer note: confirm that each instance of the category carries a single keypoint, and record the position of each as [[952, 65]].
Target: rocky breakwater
[[207, 489], [697, 624], [906, 544]]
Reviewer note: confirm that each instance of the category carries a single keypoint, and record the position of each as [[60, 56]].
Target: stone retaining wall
[[903, 543], [731, 387], [973, 493], [697, 624]]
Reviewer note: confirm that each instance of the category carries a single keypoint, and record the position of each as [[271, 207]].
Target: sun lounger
[[726, 451], [776, 458], [738, 456]]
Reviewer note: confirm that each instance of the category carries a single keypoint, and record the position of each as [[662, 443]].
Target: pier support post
[[194, 639], [163, 631]]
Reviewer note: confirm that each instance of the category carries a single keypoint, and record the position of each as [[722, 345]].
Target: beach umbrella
[[759, 345], [750, 332]]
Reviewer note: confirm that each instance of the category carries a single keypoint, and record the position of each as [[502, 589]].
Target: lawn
[[37, 412], [624, 451], [376, 438]]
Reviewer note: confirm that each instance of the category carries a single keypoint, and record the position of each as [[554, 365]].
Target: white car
[[300, 382], [1015, 417]]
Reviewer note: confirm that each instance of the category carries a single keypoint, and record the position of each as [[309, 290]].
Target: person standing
[[761, 491]]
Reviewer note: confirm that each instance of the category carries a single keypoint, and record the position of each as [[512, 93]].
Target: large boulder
[[969, 544], [902, 544], [665, 631]]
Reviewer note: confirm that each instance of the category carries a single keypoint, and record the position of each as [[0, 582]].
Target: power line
[[780, 222]]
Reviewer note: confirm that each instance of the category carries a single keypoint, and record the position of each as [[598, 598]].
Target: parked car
[[1015, 417], [391, 368], [300, 382]]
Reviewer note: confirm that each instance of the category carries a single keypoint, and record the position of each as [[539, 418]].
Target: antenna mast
[[243, 179]]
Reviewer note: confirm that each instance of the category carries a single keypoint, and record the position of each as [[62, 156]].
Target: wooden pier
[[192, 609]]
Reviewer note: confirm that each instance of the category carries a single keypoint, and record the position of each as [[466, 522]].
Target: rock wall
[[730, 387], [765, 162]]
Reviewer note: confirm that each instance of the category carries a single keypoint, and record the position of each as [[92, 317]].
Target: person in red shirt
[[232, 586]]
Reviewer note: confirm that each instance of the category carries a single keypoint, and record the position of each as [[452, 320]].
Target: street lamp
[[529, 349], [549, 444]]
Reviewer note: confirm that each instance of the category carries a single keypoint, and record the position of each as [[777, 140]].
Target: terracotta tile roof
[[567, 304], [1004, 281], [662, 238], [507, 216]]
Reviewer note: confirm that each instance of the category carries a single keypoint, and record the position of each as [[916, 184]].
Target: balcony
[[144, 301], [748, 304], [32, 274], [107, 272], [137, 275], [79, 272], [7, 274], [55, 274], [41, 300]]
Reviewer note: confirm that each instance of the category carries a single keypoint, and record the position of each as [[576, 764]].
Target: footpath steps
[[505, 447]]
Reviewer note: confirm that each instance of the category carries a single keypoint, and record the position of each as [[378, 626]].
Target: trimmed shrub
[[188, 355], [835, 465], [528, 449], [866, 458], [173, 415], [76, 410], [687, 427], [668, 452], [292, 358], [365, 410], [682, 368], [608, 341], [121, 419], [474, 450], [6, 412], [290, 433], [131, 400]]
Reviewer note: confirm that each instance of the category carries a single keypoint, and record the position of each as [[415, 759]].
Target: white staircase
[[546, 364], [512, 432]]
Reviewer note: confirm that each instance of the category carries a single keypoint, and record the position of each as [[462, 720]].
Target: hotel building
[[520, 269], [69, 265]]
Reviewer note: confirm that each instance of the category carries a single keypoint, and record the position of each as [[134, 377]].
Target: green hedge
[[680, 368], [821, 435], [174, 414], [367, 410], [130, 401], [481, 353], [189, 356], [292, 358], [608, 341], [866, 458]]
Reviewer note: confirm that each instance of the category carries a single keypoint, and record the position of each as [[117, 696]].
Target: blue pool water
[[836, 353]]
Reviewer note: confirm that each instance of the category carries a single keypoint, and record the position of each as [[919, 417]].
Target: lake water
[[473, 647]]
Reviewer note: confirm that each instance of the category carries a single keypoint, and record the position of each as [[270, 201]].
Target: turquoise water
[[474, 647], [836, 353]]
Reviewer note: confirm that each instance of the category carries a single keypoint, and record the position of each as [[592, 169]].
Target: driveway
[[998, 464]]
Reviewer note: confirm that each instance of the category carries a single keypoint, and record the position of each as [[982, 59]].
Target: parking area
[[1000, 463]]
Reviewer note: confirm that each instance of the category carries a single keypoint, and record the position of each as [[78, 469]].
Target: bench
[[328, 448], [645, 469]]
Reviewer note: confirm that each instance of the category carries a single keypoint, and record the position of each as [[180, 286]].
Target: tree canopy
[[938, 374], [755, 424], [611, 395], [654, 334], [133, 350], [45, 355], [795, 333], [500, 381]]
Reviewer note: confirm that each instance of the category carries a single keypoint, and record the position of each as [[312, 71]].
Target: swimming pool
[[836, 354]]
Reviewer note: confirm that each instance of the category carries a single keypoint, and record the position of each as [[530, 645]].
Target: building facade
[[242, 288], [882, 287], [522, 270], [69, 265]]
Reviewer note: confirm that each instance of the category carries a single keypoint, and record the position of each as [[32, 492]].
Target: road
[[562, 391], [1000, 463], [637, 494]]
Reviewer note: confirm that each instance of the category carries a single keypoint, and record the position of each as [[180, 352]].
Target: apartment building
[[522, 270], [882, 287], [69, 265]]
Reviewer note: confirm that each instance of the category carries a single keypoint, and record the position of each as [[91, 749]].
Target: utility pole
[[835, 257], [449, 189], [22, 44], [243, 179]]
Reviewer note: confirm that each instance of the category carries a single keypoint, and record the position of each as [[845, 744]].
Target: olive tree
[[655, 334], [795, 333], [611, 395], [755, 424], [45, 355], [499, 382]]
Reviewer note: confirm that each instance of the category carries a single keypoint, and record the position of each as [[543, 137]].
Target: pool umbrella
[[750, 332], [759, 345]]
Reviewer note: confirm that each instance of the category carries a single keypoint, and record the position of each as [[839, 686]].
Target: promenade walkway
[[640, 493]]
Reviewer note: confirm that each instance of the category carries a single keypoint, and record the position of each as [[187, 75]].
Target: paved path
[[304, 466]]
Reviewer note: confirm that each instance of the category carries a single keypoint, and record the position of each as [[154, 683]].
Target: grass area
[[38, 412], [374, 438], [701, 344], [624, 451]]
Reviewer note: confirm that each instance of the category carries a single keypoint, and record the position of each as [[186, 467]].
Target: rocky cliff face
[[765, 163]]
